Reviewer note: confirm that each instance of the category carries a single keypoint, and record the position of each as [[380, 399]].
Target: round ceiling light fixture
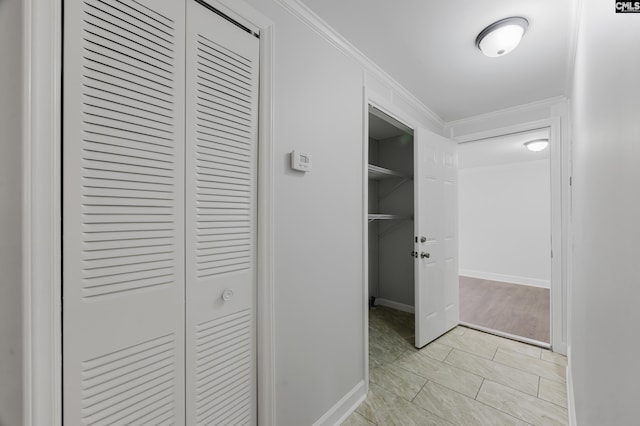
[[502, 36], [537, 145]]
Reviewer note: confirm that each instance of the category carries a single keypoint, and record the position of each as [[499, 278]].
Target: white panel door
[[123, 215], [436, 227], [221, 123]]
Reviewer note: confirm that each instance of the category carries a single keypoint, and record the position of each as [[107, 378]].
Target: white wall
[[319, 317], [504, 222], [373, 227], [605, 290], [10, 213], [396, 266]]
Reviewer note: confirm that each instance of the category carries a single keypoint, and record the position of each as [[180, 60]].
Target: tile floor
[[465, 377]]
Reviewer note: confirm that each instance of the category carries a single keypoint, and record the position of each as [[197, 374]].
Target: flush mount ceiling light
[[537, 144], [502, 36]]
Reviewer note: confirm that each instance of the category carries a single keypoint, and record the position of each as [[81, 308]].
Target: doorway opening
[[391, 285], [505, 236]]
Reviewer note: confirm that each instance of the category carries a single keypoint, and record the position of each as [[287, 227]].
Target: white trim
[[519, 109], [571, 402], [502, 131], [506, 335], [42, 285], [343, 408], [365, 233], [559, 230], [560, 166], [266, 327], [42, 356], [511, 279], [395, 305], [320, 27]]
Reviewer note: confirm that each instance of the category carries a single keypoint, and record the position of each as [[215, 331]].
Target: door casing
[[560, 204]]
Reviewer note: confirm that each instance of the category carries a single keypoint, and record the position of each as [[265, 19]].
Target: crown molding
[[322, 28], [532, 106]]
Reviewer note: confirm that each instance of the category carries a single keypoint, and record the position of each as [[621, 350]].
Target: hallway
[[465, 377]]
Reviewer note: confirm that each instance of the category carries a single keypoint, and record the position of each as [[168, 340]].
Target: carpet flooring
[[516, 309]]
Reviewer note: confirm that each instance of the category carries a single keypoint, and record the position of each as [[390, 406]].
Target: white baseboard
[[571, 402], [514, 279], [395, 305], [343, 408]]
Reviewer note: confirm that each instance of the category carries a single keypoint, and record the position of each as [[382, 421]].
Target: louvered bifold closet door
[[123, 209], [221, 120]]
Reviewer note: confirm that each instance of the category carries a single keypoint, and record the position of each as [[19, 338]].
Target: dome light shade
[[537, 144], [502, 36]]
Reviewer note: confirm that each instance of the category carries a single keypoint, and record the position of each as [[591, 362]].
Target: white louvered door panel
[[221, 124], [123, 210]]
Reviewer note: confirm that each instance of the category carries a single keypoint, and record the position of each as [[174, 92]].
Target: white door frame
[[384, 105], [560, 190], [42, 212]]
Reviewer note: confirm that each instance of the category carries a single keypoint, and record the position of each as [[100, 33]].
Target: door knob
[[227, 295], [425, 255], [423, 239]]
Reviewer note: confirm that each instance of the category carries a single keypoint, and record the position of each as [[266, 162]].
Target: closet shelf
[[376, 216], [377, 173]]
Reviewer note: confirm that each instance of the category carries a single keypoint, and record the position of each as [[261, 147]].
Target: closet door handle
[[425, 255], [227, 295]]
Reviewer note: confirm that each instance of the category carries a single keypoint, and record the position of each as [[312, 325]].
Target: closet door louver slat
[[123, 174], [221, 102]]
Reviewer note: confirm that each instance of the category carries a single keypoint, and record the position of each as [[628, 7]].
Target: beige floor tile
[[553, 392], [469, 343], [384, 408], [375, 362], [526, 363], [459, 330], [384, 353], [518, 404], [509, 376], [447, 375], [436, 351], [356, 419], [459, 409], [509, 344], [386, 346], [556, 358], [397, 380]]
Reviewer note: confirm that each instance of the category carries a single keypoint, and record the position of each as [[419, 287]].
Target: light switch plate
[[300, 161]]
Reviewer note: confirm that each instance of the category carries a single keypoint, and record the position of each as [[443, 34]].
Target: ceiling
[[428, 46], [500, 150]]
